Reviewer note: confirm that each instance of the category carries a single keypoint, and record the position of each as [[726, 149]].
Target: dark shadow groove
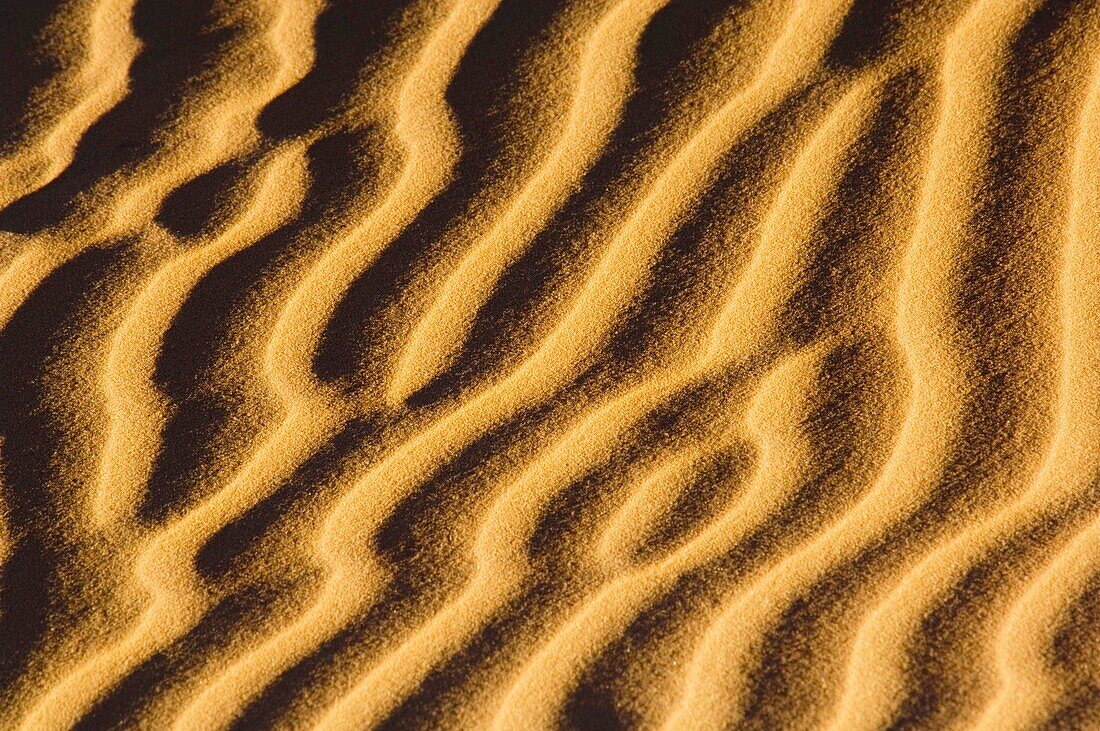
[[691, 268], [227, 548], [876, 30], [1006, 304], [24, 67], [180, 41], [359, 339], [424, 567], [36, 494], [813, 312], [514, 316], [205, 330], [122, 706], [197, 205], [348, 37], [563, 533]]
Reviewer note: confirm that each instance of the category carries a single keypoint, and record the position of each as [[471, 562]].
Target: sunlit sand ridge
[[568, 364]]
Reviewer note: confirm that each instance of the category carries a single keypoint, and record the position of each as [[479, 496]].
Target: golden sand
[[524, 364]]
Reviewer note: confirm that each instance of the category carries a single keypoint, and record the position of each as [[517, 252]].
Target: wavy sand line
[[312, 417], [601, 90], [537, 695], [172, 611], [424, 125], [357, 503], [336, 605], [510, 520], [123, 204], [600, 84], [914, 464], [138, 408], [655, 496], [333, 608], [553, 671], [884, 638], [138, 414], [582, 329], [213, 126], [100, 70], [614, 22], [1029, 685]]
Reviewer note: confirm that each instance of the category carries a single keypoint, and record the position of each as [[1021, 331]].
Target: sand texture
[[535, 364]]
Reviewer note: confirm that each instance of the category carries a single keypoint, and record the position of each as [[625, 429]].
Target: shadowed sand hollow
[[531, 364]]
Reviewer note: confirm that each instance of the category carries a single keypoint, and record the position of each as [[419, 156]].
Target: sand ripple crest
[[653, 364]]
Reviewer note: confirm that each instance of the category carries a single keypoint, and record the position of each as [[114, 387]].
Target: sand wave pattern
[[515, 364]]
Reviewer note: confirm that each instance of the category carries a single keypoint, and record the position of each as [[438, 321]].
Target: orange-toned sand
[[531, 364]]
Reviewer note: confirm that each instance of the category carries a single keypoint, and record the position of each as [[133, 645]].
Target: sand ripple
[[580, 363]]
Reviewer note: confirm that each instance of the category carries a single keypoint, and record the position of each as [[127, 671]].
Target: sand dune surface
[[532, 364]]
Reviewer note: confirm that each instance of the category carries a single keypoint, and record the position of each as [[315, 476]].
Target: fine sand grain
[[531, 364]]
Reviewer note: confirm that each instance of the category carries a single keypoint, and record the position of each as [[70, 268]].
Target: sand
[[522, 364]]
